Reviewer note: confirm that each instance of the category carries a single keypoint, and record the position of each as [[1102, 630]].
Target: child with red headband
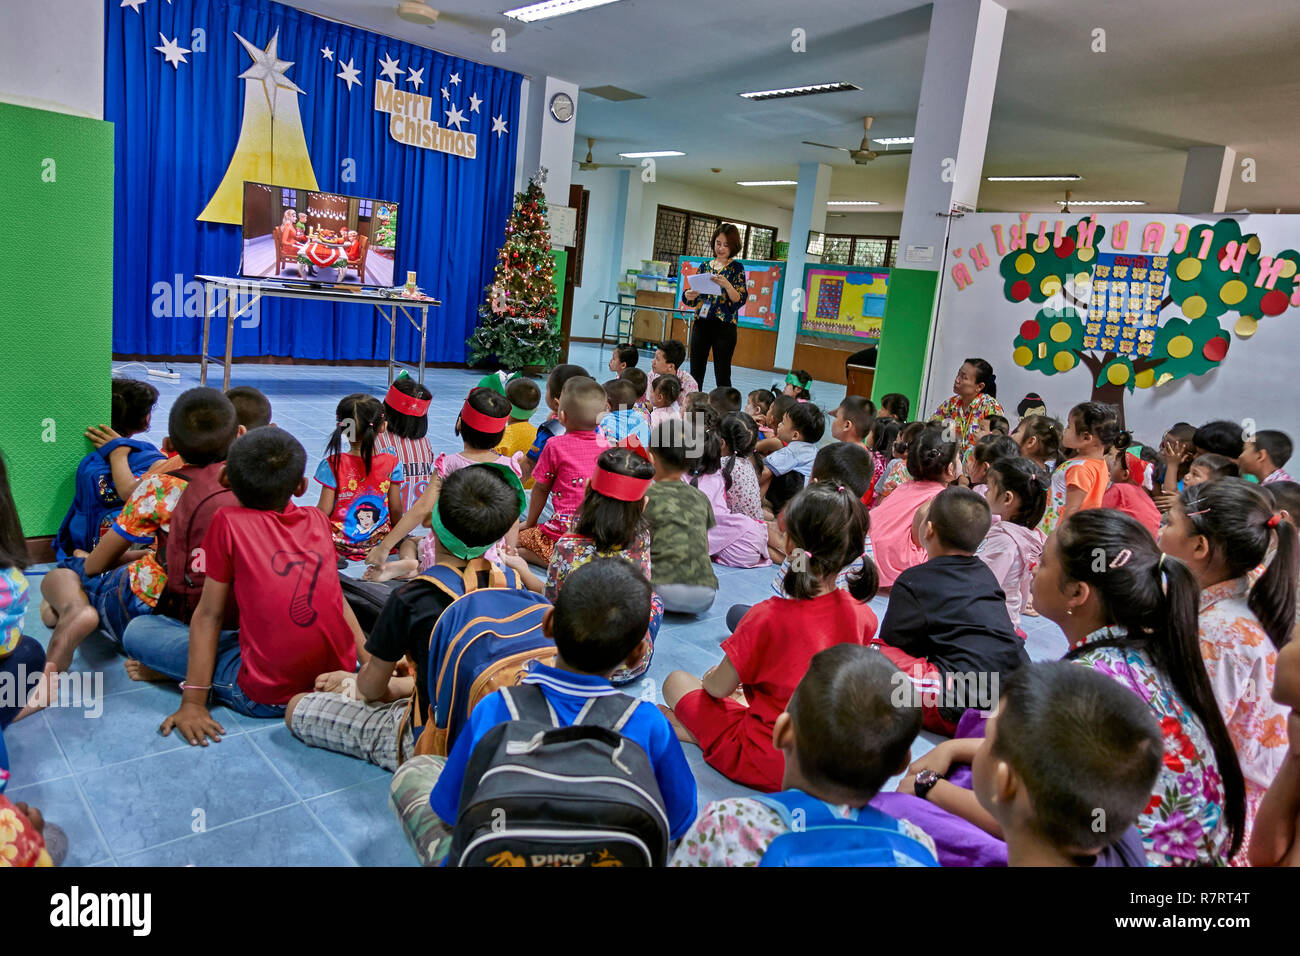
[[1129, 476], [406, 409]]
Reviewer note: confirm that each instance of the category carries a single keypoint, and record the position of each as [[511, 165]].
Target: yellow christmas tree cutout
[[271, 147]]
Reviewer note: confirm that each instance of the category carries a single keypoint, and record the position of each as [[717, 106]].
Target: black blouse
[[720, 306]]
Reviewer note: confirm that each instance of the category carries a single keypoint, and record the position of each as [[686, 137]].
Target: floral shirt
[[738, 831], [1184, 823], [895, 475], [1055, 501], [13, 605], [965, 419], [720, 306], [148, 511], [1241, 660], [1278, 475], [743, 497], [572, 551]]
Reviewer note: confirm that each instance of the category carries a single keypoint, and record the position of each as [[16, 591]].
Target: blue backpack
[[486, 639], [819, 838], [95, 503]]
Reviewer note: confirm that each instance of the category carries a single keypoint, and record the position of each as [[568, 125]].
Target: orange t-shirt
[[1091, 475]]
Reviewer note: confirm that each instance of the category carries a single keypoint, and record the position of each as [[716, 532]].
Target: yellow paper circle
[[1050, 285], [1022, 356], [1194, 307], [1246, 326], [1188, 269], [1180, 346], [1024, 263], [1085, 253], [1144, 379], [1233, 291], [1061, 332], [1117, 374], [1083, 279], [1164, 377], [1064, 361], [1252, 245], [1287, 270]]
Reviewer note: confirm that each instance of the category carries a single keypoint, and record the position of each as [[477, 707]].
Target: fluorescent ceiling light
[[769, 182], [1063, 178], [855, 202], [552, 8], [653, 155], [799, 91], [1102, 202], [895, 140]]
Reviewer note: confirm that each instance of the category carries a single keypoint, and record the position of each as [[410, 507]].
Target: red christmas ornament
[[1215, 349], [1020, 291], [1029, 331], [1065, 248], [1273, 303]]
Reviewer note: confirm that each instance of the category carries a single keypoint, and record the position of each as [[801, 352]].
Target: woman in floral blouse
[[976, 389], [1222, 530], [716, 315], [1129, 612]]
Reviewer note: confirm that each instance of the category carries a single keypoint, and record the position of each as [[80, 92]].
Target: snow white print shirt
[[360, 517]]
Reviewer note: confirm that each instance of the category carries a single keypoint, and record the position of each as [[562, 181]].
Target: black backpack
[[538, 794]]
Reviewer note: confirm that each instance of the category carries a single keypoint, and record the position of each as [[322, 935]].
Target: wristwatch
[[925, 781]]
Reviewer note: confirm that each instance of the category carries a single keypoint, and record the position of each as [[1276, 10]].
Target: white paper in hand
[[703, 283]]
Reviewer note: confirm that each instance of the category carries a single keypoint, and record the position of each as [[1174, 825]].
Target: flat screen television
[[302, 235]]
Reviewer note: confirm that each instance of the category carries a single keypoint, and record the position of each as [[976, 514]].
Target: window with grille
[[761, 241], [893, 253], [289, 197], [363, 207], [836, 250], [699, 236], [670, 234], [872, 251], [680, 232], [869, 252]]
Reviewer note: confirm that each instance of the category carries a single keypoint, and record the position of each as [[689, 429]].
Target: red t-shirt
[[282, 569], [774, 642], [1132, 500]]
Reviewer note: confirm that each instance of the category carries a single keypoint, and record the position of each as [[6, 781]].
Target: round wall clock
[[562, 107]]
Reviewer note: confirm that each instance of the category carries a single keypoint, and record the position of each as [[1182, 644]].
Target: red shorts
[[927, 679], [537, 542], [736, 744]]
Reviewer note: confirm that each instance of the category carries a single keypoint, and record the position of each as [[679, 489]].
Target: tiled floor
[[127, 796]]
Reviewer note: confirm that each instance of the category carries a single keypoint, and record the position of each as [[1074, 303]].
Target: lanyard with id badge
[[707, 300]]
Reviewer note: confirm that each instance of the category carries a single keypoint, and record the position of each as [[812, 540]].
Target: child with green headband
[[524, 397]]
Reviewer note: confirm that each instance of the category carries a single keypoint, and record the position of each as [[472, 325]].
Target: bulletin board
[[844, 302], [762, 276]]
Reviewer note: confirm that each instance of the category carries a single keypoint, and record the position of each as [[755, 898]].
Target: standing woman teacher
[[976, 389], [716, 315]]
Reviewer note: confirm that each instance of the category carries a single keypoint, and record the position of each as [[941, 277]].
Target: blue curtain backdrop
[[176, 129]]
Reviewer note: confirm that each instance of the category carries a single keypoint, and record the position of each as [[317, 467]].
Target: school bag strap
[[529, 702], [804, 815]]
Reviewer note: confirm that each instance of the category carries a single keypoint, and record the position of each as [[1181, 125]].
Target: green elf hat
[[496, 381], [458, 547]]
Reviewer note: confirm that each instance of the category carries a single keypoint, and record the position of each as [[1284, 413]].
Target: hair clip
[[1121, 559], [1193, 514], [1274, 520]]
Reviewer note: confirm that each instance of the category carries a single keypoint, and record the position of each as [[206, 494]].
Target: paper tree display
[[1111, 313], [516, 326]]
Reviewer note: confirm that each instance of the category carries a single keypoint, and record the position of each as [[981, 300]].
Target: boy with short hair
[[1265, 455], [623, 420], [278, 560], [786, 470], [948, 617], [524, 396], [624, 358], [551, 427], [853, 420], [668, 361], [842, 738], [641, 383], [598, 624], [564, 468], [361, 714], [724, 400], [1069, 749], [252, 408]]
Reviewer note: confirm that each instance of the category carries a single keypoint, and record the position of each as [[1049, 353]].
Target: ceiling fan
[[863, 154], [419, 12], [587, 165]]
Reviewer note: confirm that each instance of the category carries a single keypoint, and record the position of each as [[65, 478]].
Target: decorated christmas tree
[[386, 232], [516, 325]]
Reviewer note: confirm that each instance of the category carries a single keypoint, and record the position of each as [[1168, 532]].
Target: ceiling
[[1175, 74]]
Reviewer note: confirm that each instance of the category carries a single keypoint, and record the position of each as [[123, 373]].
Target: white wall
[[52, 55]]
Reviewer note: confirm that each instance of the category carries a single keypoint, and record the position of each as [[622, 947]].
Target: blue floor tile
[[127, 728], [286, 837], [34, 756], [61, 803], [311, 771], [361, 819]]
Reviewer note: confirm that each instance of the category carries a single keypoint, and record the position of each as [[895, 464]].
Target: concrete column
[[952, 121], [1206, 179], [546, 141], [809, 214]]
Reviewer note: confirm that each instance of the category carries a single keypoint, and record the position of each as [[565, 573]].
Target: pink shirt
[[1011, 551], [566, 464], [891, 529], [658, 415]]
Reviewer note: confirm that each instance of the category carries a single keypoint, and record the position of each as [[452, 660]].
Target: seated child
[[896, 472], [988, 450], [680, 518], [947, 618], [1219, 438], [1264, 456], [20, 657], [757, 405], [740, 465], [841, 738], [363, 715], [252, 408], [1017, 494], [1277, 822], [736, 540], [1079, 482], [992, 425], [641, 383], [785, 471], [933, 464], [1176, 454], [770, 650], [668, 361], [725, 400], [622, 420], [696, 403], [120, 580], [853, 420], [884, 433], [1039, 438], [598, 623], [1067, 767], [406, 415], [1209, 467], [1129, 475], [524, 397], [896, 405], [563, 471], [361, 489], [775, 412], [276, 557], [112, 470], [551, 427], [623, 358], [664, 395], [797, 383]]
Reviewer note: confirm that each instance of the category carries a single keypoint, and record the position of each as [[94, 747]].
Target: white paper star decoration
[[474, 101], [172, 52], [454, 116], [415, 77], [349, 74], [327, 53], [389, 67], [268, 69], [499, 125], [133, 4], [455, 80]]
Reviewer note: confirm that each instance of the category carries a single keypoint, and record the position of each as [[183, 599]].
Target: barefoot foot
[[48, 617], [137, 671]]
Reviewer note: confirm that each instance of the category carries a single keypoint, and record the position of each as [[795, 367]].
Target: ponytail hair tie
[[1160, 565], [1274, 520]]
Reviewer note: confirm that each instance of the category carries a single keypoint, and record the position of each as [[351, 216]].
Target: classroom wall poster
[[844, 302], [1170, 317], [764, 278]]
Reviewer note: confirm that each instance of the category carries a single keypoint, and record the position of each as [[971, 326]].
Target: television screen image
[[319, 237]]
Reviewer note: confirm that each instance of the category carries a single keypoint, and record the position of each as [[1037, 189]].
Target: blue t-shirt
[[796, 456], [617, 426], [545, 432], [568, 693]]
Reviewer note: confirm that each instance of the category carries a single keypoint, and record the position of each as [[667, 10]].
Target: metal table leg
[[230, 344], [424, 329], [207, 321], [392, 341]]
